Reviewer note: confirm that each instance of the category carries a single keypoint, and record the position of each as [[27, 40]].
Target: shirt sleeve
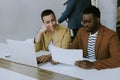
[[68, 11]]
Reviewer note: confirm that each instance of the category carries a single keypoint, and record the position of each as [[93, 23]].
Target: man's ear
[[98, 20]]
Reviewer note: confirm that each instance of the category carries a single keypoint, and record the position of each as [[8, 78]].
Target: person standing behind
[[51, 31], [118, 21], [73, 13], [98, 42]]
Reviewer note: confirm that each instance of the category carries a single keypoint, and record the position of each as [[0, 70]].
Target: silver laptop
[[22, 52]]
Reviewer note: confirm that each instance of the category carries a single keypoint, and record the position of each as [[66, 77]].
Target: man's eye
[[89, 21], [47, 22]]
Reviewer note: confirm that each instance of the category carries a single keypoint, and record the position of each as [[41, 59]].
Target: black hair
[[47, 12], [92, 9]]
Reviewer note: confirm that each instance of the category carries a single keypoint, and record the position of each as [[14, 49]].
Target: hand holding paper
[[65, 56]]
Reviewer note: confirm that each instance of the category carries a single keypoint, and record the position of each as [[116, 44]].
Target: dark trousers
[[118, 32]]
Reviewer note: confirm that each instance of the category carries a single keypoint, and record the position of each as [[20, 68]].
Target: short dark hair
[[47, 12], [92, 9]]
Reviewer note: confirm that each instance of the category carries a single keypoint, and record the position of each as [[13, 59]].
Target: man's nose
[[85, 24], [51, 24]]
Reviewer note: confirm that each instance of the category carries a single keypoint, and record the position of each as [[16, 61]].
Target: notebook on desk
[[23, 52]]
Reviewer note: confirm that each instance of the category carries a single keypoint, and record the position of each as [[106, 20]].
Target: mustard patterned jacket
[[61, 38]]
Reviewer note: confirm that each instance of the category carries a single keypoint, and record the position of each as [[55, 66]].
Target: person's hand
[[42, 29], [38, 36], [54, 62], [85, 64], [43, 58]]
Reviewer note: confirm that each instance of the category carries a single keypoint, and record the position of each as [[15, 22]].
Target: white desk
[[93, 74], [73, 71], [11, 75], [28, 73]]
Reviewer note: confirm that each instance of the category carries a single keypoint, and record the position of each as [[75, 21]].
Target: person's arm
[[76, 43], [38, 36], [68, 11], [43, 58], [112, 62], [85, 64], [66, 39], [114, 59], [38, 40]]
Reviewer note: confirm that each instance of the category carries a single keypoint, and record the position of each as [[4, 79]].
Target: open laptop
[[23, 52]]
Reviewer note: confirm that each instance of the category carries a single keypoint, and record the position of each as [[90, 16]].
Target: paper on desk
[[66, 56], [4, 51]]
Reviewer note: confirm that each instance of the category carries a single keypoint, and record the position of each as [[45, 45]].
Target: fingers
[[80, 63], [85, 64], [42, 29], [54, 62], [77, 63], [43, 59]]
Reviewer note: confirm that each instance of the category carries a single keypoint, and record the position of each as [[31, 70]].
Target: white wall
[[108, 10], [20, 19]]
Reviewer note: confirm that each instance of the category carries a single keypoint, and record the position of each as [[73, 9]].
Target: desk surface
[[33, 71], [61, 72]]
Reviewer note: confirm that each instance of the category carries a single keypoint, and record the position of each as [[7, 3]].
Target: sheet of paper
[[4, 51], [18, 49], [10, 75], [42, 53], [66, 56]]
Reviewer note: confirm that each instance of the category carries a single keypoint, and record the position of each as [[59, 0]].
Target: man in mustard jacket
[[51, 31], [97, 41]]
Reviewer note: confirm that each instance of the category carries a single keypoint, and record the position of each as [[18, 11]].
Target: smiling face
[[90, 23], [50, 22]]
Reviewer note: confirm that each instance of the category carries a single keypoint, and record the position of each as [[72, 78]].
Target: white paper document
[[41, 52], [4, 51], [10, 75], [65, 56]]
